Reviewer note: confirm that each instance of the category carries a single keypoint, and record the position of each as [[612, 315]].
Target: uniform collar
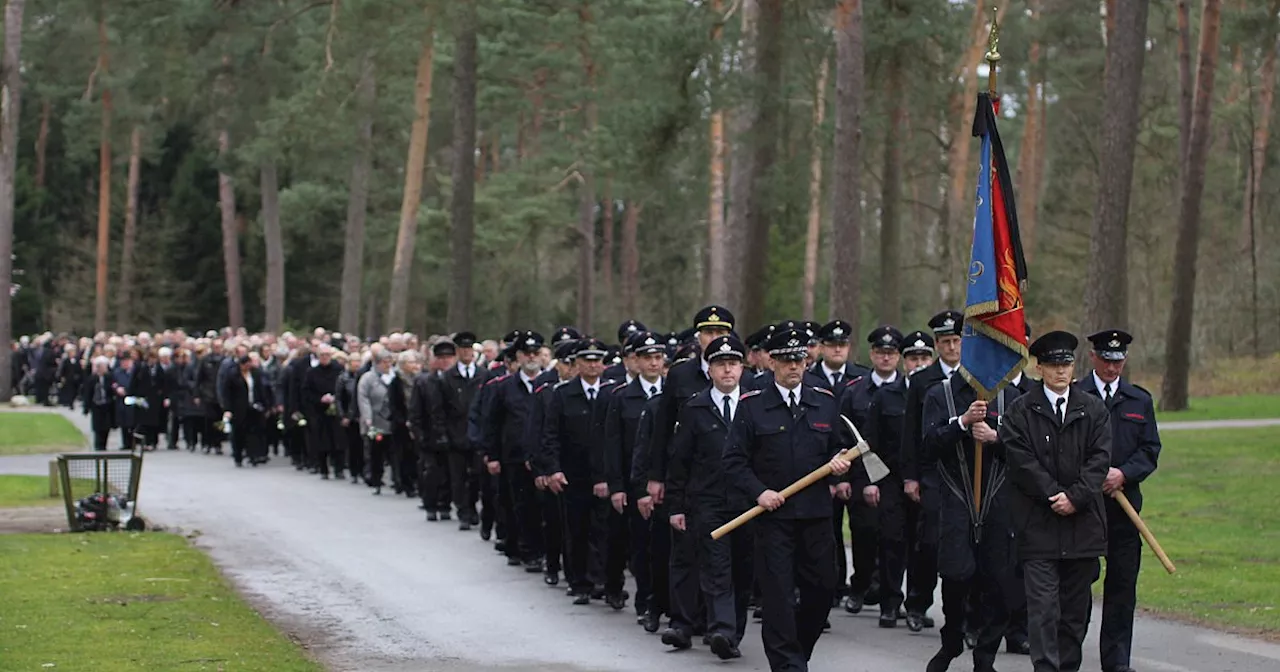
[[1053, 396], [588, 387], [880, 382], [1099, 384], [784, 392]]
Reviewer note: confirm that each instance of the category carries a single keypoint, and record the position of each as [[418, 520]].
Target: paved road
[[375, 588]]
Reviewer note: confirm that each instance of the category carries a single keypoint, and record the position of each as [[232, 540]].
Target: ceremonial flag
[[994, 348]]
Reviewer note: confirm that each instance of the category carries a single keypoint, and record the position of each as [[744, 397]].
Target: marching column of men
[[624, 460]]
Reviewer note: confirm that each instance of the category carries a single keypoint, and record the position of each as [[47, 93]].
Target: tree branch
[[266, 41]]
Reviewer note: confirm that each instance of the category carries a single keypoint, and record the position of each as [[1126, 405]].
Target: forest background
[[370, 165]]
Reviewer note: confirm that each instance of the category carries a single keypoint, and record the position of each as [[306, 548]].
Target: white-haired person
[[404, 456], [248, 398], [349, 412], [377, 423], [98, 401], [70, 372]]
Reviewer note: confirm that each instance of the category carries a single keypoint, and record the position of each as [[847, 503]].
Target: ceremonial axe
[[876, 471]]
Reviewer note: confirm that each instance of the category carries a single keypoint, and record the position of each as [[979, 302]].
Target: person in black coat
[[920, 482], [551, 503], [780, 434], [204, 386], [148, 388], [1135, 450], [326, 437], [973, 554], [491, 515], [460, 384], [349, 412], [573, 455], [43, 364], [700, 498], [443, 472], [1058, 446], [248, 400], [97, 400], [70, 372], [290, 404], [181, 395]]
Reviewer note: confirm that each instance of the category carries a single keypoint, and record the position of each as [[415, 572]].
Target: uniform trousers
[[725, 572], [327, 441], [376, 451], [617, 547], [685, 598], [1119, 588], [355, 449], [444, 480], [1059, 603], [551, 506], [584, 531], [793, 555], [893, 534], [486, 488], [922, 547], [658, 558], [637, 531], [517, 497]]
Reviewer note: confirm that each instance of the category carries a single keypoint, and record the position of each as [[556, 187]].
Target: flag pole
[[993, 58]]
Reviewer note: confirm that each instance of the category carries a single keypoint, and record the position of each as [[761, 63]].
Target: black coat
[[148, 383], [768, 449], [426, 413], [696, 479], [318, 381], [882, 428], [346, 396], [94, 389], [481, 408], [684, 380], [621, 420], [457, 393], [244, 407], [915, 466], [639, 478], [204, 383], [534, 423], [853, 373], [1046, 457], [507, 410], [1135, 439], [571, 434]]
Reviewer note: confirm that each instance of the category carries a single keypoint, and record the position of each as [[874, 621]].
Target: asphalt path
[[370, 586]]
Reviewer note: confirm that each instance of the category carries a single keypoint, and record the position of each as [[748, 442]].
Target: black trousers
[[354, 447], [976, 601], [516, 496], [725, 572], [247, 437], [638, 556], [376, 451], [444, 480], [551, 506], [864, 541], [127, 439], [210, 433], [583, 532], [893, 535], [487, 486], [922, 548], [295, 443], [659, 560], [328, 442], [617, 546], [685, 602], [793, 555], [1059, 603], [404, 462], [1119, 589]]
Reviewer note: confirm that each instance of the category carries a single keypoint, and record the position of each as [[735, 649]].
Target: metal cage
[[84, 474]]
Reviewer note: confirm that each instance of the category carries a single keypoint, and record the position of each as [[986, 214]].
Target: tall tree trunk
[[960, 170], [42, 141], [495, 153], [464, 174], [398, 303], [757, 130], [587, 193], [846, 208], [716, 280], [606, 252], [274, 240], [814, 232], [104, 182], [230, 235], [1029, 157], [1253, 190], [1106, 297], [1173, 393], [891, 195], [630, 257], [1185, 85], [358, 202], [10, 107], [124, 300]]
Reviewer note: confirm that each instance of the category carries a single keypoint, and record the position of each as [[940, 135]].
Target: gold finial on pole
[[993, 50]]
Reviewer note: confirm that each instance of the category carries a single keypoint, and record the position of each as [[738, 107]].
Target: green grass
[[1211, 506], [20, 491], [118, 601], [1244, 407], [24, 433]]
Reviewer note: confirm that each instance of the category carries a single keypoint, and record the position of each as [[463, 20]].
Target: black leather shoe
[[513, 562], [940, 661], [872, 597], [1023, 648], [826, 624], [677, 638], [853, 604], [551, 577], [617, 601], [431, 517], [915, 621], [652, 620], [485, 533], [888, 621], [1122, 668], [758, 613], [926, 620], [500, 546], [597, 593], [723, 647], [970, 640], [582, 598], [464, 526], [533, 566], [444, 515]]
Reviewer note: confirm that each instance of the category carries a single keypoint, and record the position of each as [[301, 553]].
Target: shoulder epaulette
[[683, 360], [855, 380], [823, 390], [540, 388], [1144, 390], [748, 394], [498, 379], [562, 383], [619, 387]]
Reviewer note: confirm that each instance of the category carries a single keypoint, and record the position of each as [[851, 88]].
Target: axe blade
[[876, 468]]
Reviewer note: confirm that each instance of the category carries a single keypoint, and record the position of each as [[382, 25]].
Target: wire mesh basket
[[100, 490]]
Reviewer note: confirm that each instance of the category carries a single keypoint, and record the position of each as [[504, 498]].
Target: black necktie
[[1059, 407], [727, 412], [591, 393], [835, 379], [653, 389], [1106, 392], [793, 402]]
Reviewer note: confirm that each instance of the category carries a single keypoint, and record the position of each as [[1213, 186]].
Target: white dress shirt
[[718, 397], [646, 385], [593, 391], [528, 382], [1053, 400], [786, 398], [1101, 385], [880, 382], [467, 370], [947, 370]]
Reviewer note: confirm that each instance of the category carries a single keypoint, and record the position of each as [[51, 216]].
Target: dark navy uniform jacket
[[882, 428], [626, 403], [641, 450], [571, 433], [542, 386], [816, 377], [508, 411], [1135, 439], [684, 380], [695, 475], [768, 449]]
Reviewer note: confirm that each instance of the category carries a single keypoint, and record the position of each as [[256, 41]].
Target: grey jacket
[[374, 399]]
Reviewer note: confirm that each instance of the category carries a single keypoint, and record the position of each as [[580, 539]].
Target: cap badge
[[793, 342], [949, 322], [919, 343], [725, 347], [837, 331], [529, 341], [887, 338], [1114, 343], [631, 327]]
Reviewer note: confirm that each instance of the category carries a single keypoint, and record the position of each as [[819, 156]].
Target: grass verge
[[21, 491], [117, 601], [1211, 506], [24, 433], [1243, 407]]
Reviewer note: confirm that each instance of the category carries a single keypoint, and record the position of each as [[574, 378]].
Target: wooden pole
[[1144, 530]]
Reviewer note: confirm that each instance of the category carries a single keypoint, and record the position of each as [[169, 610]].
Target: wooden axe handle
[[813, 477], [1144, 531]]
